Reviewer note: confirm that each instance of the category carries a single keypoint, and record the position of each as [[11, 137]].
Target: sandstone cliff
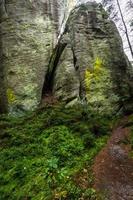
[[90, 63], [29, 32], [87, 64]]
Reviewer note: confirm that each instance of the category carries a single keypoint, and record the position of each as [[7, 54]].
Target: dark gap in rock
[[49, 78], [74, 60], [69, 100]]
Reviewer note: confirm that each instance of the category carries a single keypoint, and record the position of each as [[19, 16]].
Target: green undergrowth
[[44, 154]]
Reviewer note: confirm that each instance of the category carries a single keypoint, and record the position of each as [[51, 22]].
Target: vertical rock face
[[93, 66], [29, 32], [88, 63], [3, 98]]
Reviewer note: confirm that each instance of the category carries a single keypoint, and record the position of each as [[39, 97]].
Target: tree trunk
[[126, 30]]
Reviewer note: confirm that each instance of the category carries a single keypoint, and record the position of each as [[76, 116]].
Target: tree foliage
[[116, 13]]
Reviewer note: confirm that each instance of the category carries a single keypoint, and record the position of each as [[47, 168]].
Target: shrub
[[40, 153]]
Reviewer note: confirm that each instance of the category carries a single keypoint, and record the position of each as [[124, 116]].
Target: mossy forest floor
[[48, 154]]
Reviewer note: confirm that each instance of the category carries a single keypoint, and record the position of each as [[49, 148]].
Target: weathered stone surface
[[3, 98], [102, 72], [29, 32], [66, 85], [87, 64]]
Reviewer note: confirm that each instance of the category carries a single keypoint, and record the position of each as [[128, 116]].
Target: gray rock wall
[[87, 63], [29, 32], [99, 71]]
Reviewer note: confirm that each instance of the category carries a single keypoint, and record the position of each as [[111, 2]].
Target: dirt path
[[113, 169]]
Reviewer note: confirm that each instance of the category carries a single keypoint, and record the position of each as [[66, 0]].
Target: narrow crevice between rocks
[[74, 60], [49, 77]]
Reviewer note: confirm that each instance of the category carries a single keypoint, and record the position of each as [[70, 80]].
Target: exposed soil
[[49, 99], [113, 168]]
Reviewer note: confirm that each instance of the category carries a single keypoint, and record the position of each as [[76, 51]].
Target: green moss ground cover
[[42, 153]]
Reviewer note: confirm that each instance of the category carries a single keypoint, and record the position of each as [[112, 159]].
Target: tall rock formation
[[88, 62], [29, 32], [91, 65]]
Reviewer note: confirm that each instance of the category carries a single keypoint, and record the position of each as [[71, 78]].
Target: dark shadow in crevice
[[49, 78], [74, 60]]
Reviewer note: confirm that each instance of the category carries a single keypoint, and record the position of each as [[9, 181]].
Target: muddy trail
[[113, 167]]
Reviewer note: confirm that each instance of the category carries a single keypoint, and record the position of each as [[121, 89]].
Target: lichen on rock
[[103, 71], [99, 88], [29, 34]]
